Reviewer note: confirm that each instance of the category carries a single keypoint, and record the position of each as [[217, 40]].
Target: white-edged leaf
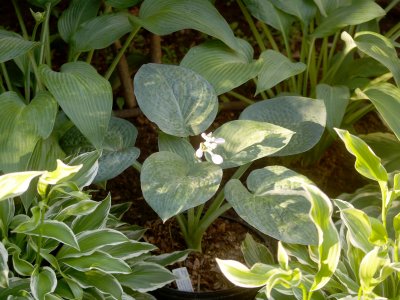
[[4, 270], [43, 282], [84, 95], [15, 184], [177, 99]]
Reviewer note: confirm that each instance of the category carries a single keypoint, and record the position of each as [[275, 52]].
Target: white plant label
[[183, 280]]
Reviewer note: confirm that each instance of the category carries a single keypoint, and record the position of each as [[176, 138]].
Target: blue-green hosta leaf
[[77, 13], [356, 13], [146, 277], [304, 116], [304, 10], [13, 45], [97, 260], [336, 99], [121, 4], [43, 282], [254, 252], [3, 266], [242, 276], [173, 15], [274, 204], [180, 146], [380, 48], [247, 140], [85, 97], [328, 238], [386, 98], [54, 230], [327, 6], [387, 147], [95, 220], [275, 69], [367, 163], [105, 283], [266, 12], [15, 184], [178, 100], [221, 66], [22, 126], [170, 185], [100, 32]]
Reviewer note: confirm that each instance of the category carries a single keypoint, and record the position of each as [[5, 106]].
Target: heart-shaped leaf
[[304, 116], [224, 68], [276, 68], [13, 45], [275, 204], [170, 185], [304, 10], [22, 126], [180, 146], [178, 100], [247, 140], [85, 97]]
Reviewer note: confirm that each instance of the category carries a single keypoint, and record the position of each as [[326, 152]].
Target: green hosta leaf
[[167, 259], [367, 163], [77, 13], [336, 99], [84, 95], [276, 68], [380, 48], [274, 204], [173, 15], [3, 266], [22, 126], [98, 260], [304, 116], [43, 282], [121, 4], [69, 289], [386, 98], [247, 140], [13, 45], [221, 66], [372, 263], [55, 230], [91, 240], [356, 13], [266, 12], [100, 32], [180, 146], [387, 147], [328, 238], [14, 288], [15, 184], [254, 252], [7, 212], [146, 277], [171, 186], [178, 100], [83, 207], [327, 6], [282, 257], [242, 276], [304, 10], [105, 283], [95, 220], [21, 266]]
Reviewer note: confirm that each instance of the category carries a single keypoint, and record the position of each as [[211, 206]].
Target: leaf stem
[[129, 39], [240, 97], [6, 77], [270, 38], [44, 38], [20, 20]]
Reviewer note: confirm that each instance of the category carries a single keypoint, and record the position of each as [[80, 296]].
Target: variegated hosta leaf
[[254, 252], [43, 282], [380, 48], [177, 99], [304, 116], [367, 163], [170, 185], [22, 126], [85, 97], [357, 13], [248, 140], [15, 184], [328, 238], [276, 68], [274, 203], [173, 15], [3, 266], [13, 45], [221, 66]]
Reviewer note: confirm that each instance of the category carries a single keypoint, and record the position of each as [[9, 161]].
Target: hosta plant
[[355, 254], [69, 246]]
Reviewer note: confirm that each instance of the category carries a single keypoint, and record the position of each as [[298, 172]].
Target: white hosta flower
[[208, 146]]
